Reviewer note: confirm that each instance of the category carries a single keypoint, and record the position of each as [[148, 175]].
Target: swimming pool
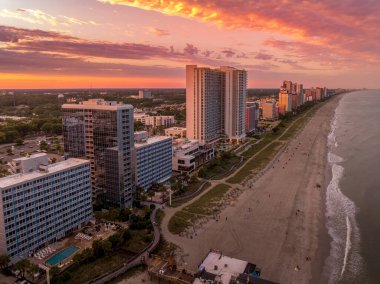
[[62, 255]]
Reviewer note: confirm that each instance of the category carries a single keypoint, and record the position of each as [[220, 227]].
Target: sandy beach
[[278, 222]]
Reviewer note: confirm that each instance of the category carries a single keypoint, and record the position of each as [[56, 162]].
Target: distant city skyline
[[146, 44]]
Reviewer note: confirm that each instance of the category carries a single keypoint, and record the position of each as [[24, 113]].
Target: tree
[[114, 240], [53, 160], [54, 271], [107, 247], [22, 266], [138, 126], [32, 270], [9, 151], [4, 261], [101, 247], [127, 235], [150, 194]]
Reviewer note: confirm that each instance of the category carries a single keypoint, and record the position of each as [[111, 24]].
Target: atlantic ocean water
[[353, 194]]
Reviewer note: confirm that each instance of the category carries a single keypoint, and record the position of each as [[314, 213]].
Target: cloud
[[228, 53], [349, 26], [25, 50], [159, 32], [35, 16], [190, 49], [43, 63], [263, 56]]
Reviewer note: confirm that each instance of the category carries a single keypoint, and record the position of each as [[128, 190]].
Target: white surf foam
[[344, 259], [348, 245]]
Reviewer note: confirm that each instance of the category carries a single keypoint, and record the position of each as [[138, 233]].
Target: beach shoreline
[[279, 222], [319, 271]]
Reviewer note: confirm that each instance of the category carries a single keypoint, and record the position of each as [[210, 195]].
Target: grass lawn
[[180, 221], [294, 128], [184, 218], [176, 204], [202, 205], [256, 164]]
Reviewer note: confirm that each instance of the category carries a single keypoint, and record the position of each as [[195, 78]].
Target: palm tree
[[4, 261], [22, 266], [33, 269]]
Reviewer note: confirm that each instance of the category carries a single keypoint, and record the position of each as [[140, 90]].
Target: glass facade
[[104, 136]]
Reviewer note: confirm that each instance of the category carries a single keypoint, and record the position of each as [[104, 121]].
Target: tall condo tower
[[102, 132], [215, 103]]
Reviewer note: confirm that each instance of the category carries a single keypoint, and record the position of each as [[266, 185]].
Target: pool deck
[[72, 241]]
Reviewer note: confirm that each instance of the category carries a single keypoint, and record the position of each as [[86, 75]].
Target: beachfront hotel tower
[[215, 103], [43, 205], [285, 101], [102, 132]]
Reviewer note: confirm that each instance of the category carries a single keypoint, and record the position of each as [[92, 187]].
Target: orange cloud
[[350, 26]]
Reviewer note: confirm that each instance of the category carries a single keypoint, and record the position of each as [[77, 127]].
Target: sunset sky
[[134, 43]]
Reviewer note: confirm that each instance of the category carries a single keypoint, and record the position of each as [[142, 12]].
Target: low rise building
[[155, 121], [189, 154], [153, 160], [176, 132], [222, 269], [25, 165], [42, 206], [140, 136], [270, 110], [145, 94]]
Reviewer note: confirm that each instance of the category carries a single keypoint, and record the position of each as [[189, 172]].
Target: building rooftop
[[223, 267], [176, 128], [50, 169], [219, 268], [30, 157], [151, 140], [98, 104]]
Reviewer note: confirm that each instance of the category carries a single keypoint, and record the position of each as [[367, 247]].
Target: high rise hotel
[[215, 103], [102, 132]]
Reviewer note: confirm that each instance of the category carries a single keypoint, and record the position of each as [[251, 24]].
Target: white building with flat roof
[[42, 206], [164, 121], [28, 164], [153, 160], [189, 154], [222, 269]]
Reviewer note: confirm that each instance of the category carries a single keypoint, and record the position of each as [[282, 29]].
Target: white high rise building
[[235, 94], [215, 103]]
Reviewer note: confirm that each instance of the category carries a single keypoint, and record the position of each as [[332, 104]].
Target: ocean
[[353, 194]]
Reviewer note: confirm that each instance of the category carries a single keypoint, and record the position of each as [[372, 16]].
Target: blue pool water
[[62, 255]]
